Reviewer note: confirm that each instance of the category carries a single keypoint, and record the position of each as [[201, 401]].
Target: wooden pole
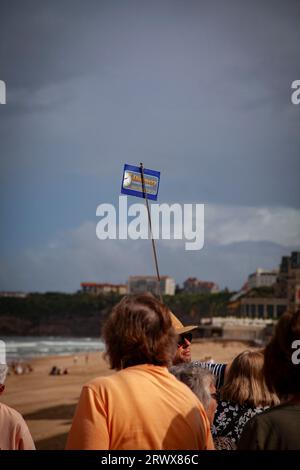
[[151, 233]]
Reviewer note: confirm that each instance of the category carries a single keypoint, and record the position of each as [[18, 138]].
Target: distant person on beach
[[184, 354], [28, 368], [19, 369], [14, 433], [55, 371], [243, 395], [143, 406], [279, 427]]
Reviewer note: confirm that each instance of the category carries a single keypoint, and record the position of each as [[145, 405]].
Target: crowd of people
[[160, 399], [58, 371], [19, 368]]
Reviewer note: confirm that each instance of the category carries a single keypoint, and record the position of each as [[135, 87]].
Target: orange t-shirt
[[14, 433], [140, 407]]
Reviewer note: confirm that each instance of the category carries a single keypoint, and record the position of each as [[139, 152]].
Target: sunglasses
[[182, 343]]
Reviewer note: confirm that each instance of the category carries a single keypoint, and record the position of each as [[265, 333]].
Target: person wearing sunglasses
[[184, 351], [184, 339], [184, 348]]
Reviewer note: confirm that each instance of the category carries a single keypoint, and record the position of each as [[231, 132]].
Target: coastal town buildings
[[97, 288], [285, 294], [142, 284], [192, 285], [262, 278], [19, 295]]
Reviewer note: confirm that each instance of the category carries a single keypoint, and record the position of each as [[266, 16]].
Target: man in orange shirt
[[142, 406]]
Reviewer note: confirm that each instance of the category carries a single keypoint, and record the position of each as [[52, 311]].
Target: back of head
[[197, 379], [245, 383], [281, 371], [139, 331]]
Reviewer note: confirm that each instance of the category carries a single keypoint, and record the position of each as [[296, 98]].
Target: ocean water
[[17, 347]]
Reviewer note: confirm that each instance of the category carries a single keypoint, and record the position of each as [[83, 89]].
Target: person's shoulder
[[278, 410], [269, 415], [10, 414], [100, 381]]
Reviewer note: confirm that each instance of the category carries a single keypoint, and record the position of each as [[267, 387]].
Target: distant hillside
[[83, 314]]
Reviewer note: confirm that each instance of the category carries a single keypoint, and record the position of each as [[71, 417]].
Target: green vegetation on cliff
[[83, 314]]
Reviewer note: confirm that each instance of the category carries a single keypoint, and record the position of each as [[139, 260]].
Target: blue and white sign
[[132, 182]]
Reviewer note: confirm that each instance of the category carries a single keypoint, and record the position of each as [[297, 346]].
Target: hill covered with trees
[[59, 314]]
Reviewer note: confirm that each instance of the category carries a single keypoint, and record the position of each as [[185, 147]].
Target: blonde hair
[[245, 382]]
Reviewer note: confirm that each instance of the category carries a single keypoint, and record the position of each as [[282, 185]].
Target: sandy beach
[[48, 402]]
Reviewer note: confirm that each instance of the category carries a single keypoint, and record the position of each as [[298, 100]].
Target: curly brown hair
[[282, 375], [139, 331]]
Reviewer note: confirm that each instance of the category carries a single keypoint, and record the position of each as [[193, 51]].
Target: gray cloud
[[77, 255], [198, 90]]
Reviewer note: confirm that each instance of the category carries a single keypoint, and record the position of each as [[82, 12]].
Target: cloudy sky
[[199, 90]]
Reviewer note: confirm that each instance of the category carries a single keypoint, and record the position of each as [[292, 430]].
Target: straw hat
[[178, 326]]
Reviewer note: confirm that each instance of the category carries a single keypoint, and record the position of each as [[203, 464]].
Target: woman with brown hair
[[243, 395], [143, 406]]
